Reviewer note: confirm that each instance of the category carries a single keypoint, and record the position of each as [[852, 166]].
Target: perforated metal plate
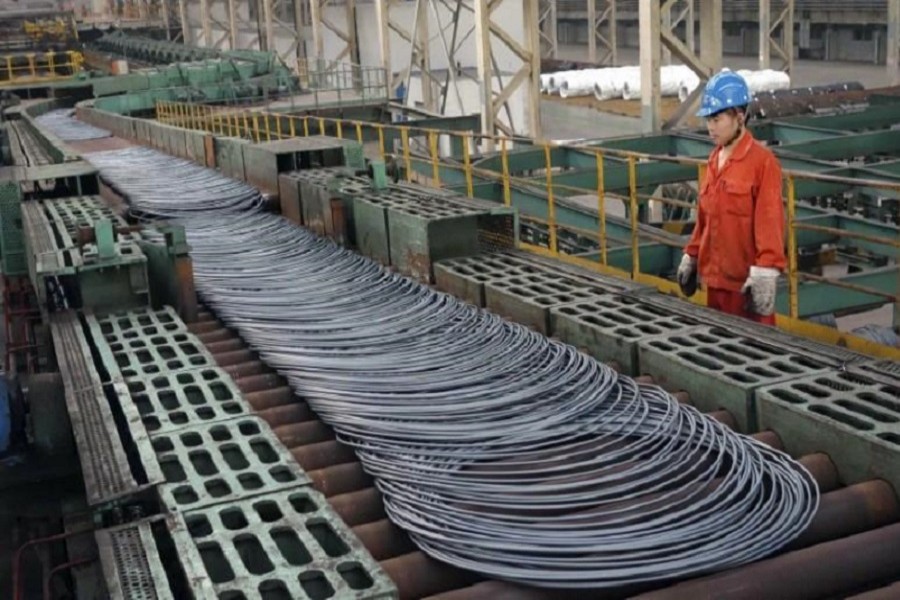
[[132, 558], [284, 545], [172, 401], [126, 356], [721, 369], [119, 327], [223, 462], [853, 417]]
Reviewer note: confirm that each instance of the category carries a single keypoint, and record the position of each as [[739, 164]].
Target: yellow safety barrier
[[36, 67], [430, 159]]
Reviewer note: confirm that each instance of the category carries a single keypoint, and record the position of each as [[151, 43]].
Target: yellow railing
[[31, 67], [421, 147]]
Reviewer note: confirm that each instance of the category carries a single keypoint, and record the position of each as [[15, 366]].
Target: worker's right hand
[[686, 270]]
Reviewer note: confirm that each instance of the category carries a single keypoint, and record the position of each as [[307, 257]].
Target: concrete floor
[[564, 122]]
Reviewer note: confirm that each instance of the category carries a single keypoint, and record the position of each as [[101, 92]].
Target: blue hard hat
[[723, 91]]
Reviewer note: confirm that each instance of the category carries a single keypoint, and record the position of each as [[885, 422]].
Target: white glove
[[762, 283], [685, 270]]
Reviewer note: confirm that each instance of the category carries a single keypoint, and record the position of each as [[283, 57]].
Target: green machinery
[[857, 145], [79, 255]]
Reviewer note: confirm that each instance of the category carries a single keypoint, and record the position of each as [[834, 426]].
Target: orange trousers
[[735, 303]]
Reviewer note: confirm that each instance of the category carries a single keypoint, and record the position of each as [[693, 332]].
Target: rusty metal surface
[[104, 463], [825, 570], [844, 511]]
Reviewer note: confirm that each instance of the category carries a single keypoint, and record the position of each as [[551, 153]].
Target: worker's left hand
[[761, 284]]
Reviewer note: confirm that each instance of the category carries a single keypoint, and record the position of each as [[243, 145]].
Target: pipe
[[17, 557], [826, 570], [63, 567]]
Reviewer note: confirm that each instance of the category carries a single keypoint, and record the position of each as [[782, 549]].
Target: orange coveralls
[[740, 223]]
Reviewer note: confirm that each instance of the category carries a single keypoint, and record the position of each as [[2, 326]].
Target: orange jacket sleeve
[[768, 218], [693, 245]]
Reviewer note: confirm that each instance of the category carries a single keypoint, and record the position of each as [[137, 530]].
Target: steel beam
[[821, 298], [524, 80], [382, 15], [874, 117], [602, 29], [711, 34], [650, 24], [548, 27], [893, 41], [206, 23], [345, 32], [673, 13], [845, 146], [185, 26], [776, 34]]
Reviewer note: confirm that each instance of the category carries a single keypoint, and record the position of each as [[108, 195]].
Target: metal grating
[[132, 563], [497, 233], [852, 417], [172, 401], [149, 560], [132, 355], [223, 462], [103, 460], [290, 544], [722, 368], [833, 354], [609, 327], [118, 327]]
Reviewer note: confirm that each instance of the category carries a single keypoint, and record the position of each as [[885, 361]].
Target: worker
[[737, 246]]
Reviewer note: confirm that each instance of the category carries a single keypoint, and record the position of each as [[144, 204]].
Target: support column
[[776, 33], [485, 74], [711, 34], [267, 23], [424, 55], [352, 39], [548, 27], [689, 30], [649, 13], [665, 13], [299, 22], [316, 17], [232, 24], [164, 7], [185, 30], [707, 63], [525, 79], [602, 28], [206, 23], [765, 18], [382, 14], [893, 41]]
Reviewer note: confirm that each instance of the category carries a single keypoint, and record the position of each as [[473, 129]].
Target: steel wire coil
[[498, 450], [61, 124]]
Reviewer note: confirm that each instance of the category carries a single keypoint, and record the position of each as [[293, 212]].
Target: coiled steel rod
[[498, 450], [61, 123]]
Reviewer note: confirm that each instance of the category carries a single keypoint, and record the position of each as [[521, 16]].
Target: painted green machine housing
[[411, 228], [264, 161], [104, 275], [12, 237]]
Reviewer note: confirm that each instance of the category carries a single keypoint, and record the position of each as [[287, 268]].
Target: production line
[[429, 393]]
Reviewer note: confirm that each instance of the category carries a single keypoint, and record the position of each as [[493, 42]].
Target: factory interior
[[395, 299]]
